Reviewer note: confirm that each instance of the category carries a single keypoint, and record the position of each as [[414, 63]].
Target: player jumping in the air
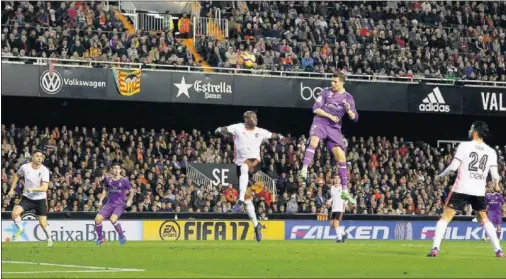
[[336, 215], [330, 108], [247, 141], [36, 177], [473, 160], [495, 200], [118, 187]]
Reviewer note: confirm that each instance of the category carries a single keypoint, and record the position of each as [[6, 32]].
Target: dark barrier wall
[[242, 90], [296, 121], [229, 216]]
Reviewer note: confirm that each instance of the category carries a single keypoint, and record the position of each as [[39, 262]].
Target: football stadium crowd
[[387, 176], [438, 39]]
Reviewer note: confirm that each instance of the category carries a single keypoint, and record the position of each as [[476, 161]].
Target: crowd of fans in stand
[[443, 39], [387, 176]]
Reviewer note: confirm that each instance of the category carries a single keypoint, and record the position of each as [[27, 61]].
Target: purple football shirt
[[117, 189], [494, 202], [333, 103]]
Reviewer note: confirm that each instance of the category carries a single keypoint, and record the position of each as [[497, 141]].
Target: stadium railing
[[199, 178], [267, 181], [73, 63]]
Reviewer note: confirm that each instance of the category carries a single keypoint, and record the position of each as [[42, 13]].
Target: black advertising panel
[[307, 90], [263, 91], [434, 99], [223, 174], [484, 100], [20, 80], [373, 96], [80, 83], [201, 88], [138, 85]]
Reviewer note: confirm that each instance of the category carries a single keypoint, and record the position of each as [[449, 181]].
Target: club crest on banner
[[127, 81]]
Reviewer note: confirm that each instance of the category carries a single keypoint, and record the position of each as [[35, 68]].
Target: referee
[[34, 197]]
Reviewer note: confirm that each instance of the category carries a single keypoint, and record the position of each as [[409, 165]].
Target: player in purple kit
[[330, 108], [118, 187], [495, 201]]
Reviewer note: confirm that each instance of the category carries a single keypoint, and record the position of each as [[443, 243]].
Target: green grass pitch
[[248, 259]]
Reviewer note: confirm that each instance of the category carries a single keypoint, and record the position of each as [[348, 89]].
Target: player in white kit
[[247, 141], [36, 182], [337, 209], [473, 160]]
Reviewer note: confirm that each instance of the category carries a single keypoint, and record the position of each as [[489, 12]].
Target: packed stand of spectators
[[387, 176], [443, 39]]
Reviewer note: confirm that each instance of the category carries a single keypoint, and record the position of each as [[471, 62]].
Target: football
[[248, 59]]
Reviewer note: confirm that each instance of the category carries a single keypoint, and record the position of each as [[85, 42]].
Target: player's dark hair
[[248, 113], [481, 128], [340, 76], [39, 151]]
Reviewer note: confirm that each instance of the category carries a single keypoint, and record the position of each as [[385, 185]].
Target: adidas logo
[[434, 102]]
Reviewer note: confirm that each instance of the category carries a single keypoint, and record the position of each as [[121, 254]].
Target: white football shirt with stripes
[[33, 179], [475, 158], [247, 142]]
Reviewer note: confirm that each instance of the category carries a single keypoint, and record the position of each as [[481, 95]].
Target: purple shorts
[[496, 219], [323, 131], [109, 209]]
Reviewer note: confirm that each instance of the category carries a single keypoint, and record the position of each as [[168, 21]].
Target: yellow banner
[[211, 230]]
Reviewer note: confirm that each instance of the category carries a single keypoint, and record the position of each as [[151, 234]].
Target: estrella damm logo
[[170, 230], [128, 81]]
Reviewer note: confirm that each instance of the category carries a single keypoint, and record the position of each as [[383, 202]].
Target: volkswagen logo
[[51, 83]]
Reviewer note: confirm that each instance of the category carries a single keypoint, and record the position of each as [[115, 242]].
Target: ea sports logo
[[434, 107], [170, 230], [51, 82], [307, 93]]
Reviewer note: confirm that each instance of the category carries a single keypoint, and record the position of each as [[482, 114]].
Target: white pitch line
[[65, 271], [76, 266]]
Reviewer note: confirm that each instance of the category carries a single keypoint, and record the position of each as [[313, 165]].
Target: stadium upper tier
[[449, 40]]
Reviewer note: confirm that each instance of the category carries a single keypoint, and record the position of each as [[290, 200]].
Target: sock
[[440, 233], [118, 228], [491, 232], [47, 231], [250, 208], [308, 156], [343, 174], [243, 182], [339, 233], [17, 221], [98, 230]]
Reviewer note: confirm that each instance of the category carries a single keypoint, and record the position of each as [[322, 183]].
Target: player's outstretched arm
[[221, 131], [455, 164]]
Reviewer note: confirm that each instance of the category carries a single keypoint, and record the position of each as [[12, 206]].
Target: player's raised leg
[[16, 217], [310, 149], [342, 170], [491, 232], [47, 230], [118, 211]]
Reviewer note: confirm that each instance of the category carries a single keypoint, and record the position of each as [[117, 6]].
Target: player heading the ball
[[329, 109]]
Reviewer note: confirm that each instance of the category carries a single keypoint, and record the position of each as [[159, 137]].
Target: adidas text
[[434, 107]]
